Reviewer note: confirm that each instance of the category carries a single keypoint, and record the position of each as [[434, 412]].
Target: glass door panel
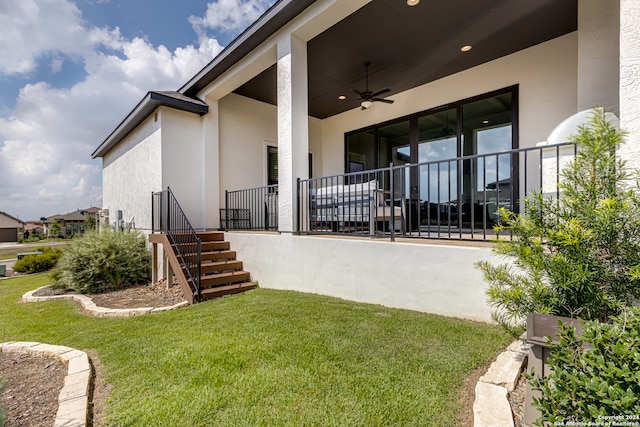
[[437, 176], [394, 147], [487, 177]]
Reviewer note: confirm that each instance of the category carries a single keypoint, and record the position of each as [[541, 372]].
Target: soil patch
[[29, 388]]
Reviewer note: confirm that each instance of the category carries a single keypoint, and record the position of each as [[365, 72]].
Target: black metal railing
[[251, 209], [456, 198], [168, 217]]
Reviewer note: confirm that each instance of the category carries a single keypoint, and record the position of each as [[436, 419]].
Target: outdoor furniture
[[354, 207]]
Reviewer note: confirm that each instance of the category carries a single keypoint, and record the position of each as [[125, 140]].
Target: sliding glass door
[[459, 170]]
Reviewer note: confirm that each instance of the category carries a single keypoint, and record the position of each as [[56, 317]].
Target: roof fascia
[[281, 13], [145, 107]]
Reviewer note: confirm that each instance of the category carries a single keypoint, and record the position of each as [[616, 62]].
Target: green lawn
[[267, 358]]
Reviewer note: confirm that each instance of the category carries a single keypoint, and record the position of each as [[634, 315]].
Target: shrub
[[600, 384], [37, 263], [577, 255], [103, 261]]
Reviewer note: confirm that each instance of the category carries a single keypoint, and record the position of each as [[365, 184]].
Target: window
[[474, 128]]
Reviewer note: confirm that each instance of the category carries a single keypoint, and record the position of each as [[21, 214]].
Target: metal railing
[[168, 217], [456, 198], [251, 209]]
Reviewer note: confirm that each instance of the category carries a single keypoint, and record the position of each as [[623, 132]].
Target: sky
[[71, 70]]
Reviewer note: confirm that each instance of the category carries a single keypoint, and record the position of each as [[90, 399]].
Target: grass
[[11, 252], [267, 357]]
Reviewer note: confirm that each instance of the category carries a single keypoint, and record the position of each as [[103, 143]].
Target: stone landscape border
[[97, 311], [73, 400], [491, 407]]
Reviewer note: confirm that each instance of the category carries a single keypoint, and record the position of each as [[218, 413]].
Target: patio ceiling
[[410, 46]]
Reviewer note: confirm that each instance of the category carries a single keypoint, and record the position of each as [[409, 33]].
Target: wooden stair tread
[[227, 290], [224, 279], [211, 267]]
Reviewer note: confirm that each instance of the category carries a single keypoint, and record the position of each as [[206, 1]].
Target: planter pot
[[540, 326]]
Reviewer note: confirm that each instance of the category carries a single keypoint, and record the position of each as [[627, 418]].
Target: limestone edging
[[97, 311], [73, 400], [491, 407]]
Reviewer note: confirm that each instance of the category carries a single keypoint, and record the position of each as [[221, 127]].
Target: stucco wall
[[182, 168], [430, 278], [128, 180], [546, 75], [630, 80], [246, 127]]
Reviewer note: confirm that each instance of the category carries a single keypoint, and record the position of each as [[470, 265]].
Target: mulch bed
[[29, 388]]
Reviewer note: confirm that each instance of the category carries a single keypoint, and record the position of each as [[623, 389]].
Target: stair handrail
[[169, 218]]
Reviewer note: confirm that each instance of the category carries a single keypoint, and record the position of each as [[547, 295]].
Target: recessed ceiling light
[[342, 97], [485, 122], [413, 2], [466, 48]]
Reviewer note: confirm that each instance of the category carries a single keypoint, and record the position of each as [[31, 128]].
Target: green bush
[[103, 261], [577, 255], [37, 263], [600, 384]]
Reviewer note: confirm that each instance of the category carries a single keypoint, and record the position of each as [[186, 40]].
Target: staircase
[[202, 262], [220, 272]]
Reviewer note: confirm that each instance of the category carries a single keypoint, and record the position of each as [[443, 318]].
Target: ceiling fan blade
[[387, 101], [361, 94], [380, 92]]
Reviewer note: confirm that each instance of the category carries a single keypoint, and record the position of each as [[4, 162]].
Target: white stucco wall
[[630, 80], [598, 54], [128, 180], [430, 278], [182, 169], [546, 75], [246, 127]]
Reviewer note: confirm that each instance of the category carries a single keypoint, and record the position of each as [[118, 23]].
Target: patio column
[[211, 165], [293, 126], [598, 54], [630, 80]]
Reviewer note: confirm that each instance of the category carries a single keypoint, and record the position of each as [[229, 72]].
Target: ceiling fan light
[[366, 104]]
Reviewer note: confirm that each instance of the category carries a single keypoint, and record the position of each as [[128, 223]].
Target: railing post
[[392, 201], [298, 205], [226, 210], [168, 223], [199, 268], [153, 224]]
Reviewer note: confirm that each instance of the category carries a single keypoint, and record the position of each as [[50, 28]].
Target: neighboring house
[[34, 228], [477, 87], [70, 223], [11, 229]]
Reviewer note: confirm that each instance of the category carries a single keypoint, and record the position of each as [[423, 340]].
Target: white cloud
[[230, 16], [46, 140], [32, 28]]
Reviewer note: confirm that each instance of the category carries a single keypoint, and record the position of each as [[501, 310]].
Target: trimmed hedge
[[103, 261], [37, 263]]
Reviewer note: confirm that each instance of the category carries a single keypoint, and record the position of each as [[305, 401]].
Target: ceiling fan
[[369, 97]]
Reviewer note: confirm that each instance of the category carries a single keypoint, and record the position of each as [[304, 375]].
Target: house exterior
[[11, 228], [477, 88], [70, 223]]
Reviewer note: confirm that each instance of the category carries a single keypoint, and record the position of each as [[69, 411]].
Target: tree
[[90, 223], [577, 255], [54, 230]]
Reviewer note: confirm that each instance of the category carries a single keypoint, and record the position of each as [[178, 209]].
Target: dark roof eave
[[268, 24], [145, 107]]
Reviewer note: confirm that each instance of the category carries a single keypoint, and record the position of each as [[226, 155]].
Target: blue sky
[[72, 69]]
